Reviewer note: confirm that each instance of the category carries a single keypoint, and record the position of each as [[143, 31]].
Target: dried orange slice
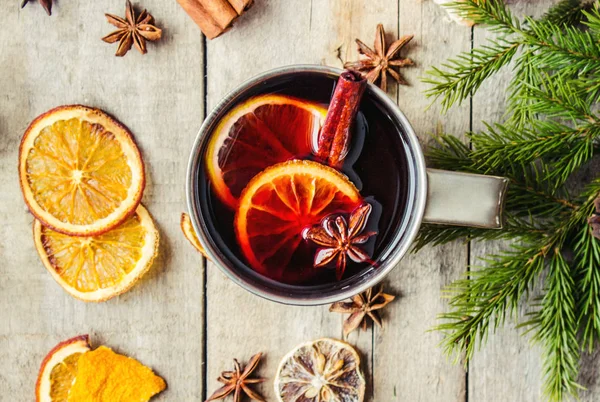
[[190, 234], [80, 170], [321, 371], [97, 268], [258, 133], [59, 368], [278, 204]]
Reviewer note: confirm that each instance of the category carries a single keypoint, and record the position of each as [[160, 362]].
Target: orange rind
[[97, 268], [259, 132], [80, 171]]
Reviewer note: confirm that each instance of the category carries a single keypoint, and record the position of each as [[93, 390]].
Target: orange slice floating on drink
[[80, 171], [278, 204], [59, 368], [258, 133]]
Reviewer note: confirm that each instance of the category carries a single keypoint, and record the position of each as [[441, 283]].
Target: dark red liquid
[[376, 164]]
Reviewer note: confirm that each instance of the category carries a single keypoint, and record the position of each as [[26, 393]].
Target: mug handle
[[465, 199]]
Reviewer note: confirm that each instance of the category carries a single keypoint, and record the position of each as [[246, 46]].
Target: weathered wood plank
[[408, 363], [49, 61]]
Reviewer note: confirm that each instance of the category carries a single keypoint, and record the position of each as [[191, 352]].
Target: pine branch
[[493, 13], [532, 189], [463, 75], [556, 45], [587, 263], [563, 48], [483, 301], [592, 18], [552, 129], [513, 228], [558, 96], [527, 76], [567, 12], [546, 140], [556, 327]]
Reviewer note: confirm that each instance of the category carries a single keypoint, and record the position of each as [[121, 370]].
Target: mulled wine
[[291, 198]]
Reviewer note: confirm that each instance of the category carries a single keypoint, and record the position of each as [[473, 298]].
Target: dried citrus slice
[[96, 268], [190, 234], [324, 370], [278, 204], [106, 376], [258, 133], [59, 369], [80, 170]]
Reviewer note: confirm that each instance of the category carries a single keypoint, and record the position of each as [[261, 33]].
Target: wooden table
[[185, 319]]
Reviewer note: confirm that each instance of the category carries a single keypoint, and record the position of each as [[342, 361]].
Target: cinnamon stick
[[241, 5], [214, 16], [335, 135]]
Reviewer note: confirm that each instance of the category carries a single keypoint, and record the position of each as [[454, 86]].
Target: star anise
[[594, 220], [340, 239], [47, 4], [379, 62], [237, 381], [362, 305], [132, 30]]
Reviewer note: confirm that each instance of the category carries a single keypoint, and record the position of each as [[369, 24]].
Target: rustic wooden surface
[[185, 319]]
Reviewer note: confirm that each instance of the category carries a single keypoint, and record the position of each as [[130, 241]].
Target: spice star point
[[379, 62]]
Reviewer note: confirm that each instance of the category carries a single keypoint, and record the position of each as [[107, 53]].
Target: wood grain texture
[[408, 363], [50, 61]]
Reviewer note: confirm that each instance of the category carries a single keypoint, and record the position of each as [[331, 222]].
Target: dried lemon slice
[[80, 171], [96, 268], [59, 368], [325, 370]]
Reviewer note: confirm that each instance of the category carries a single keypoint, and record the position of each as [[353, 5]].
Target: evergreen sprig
[[550, 131]]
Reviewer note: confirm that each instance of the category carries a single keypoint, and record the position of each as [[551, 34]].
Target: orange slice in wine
[[258, 133], [278, 204]]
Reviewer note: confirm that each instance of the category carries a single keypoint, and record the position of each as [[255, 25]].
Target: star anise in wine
[[380, 61], [47, 4], [363, 305], [594, 220], [132, 30], [341, 239], [237, 381]]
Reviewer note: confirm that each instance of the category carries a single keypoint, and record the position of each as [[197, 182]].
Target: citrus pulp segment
[[80, 171], [59, 368], [97, 268], [259, 132], [279, 204]]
